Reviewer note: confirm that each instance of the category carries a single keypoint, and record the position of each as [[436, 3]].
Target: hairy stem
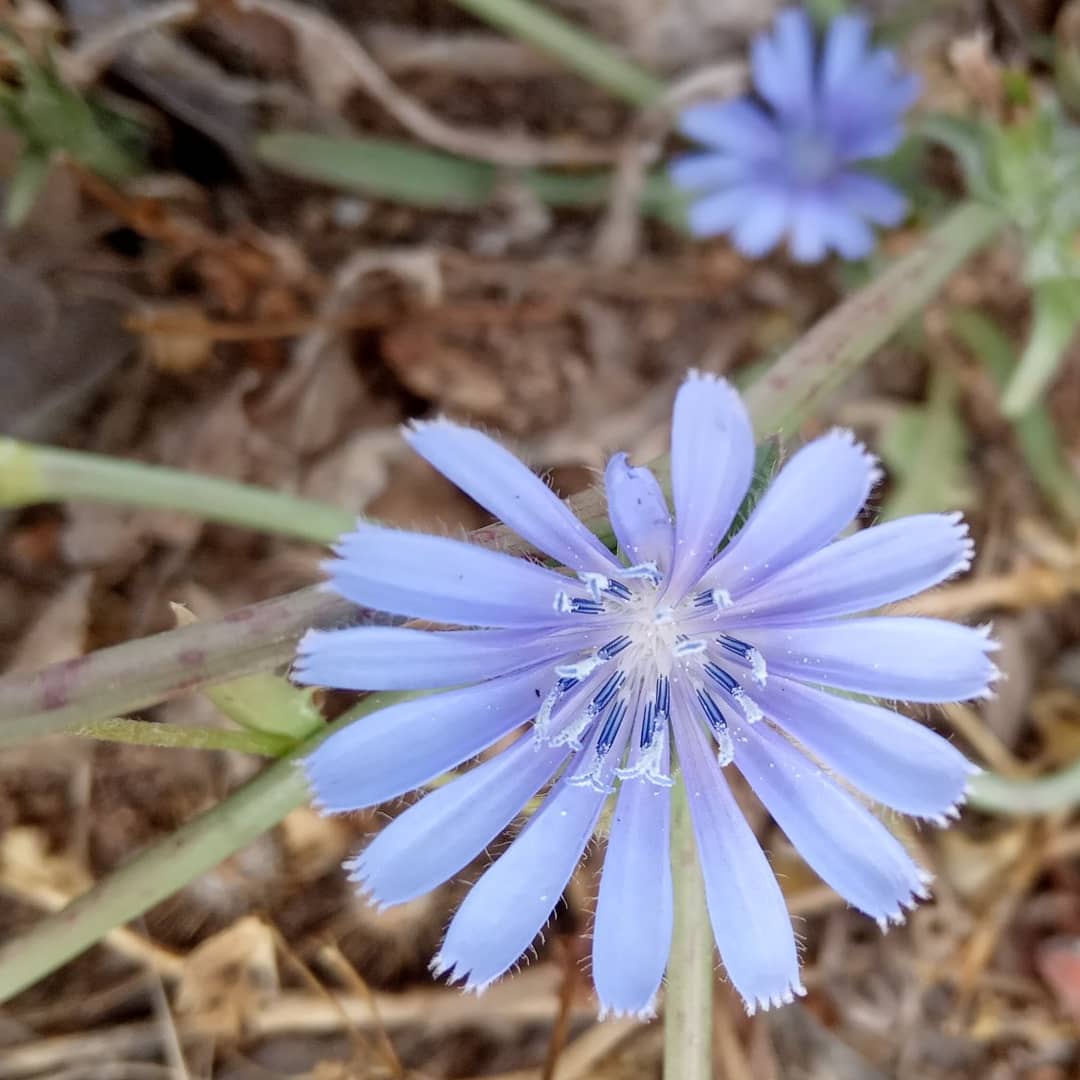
[[145, 733], [689, 993], [825, 356], [136, 674], [133, 675], [36, 474]]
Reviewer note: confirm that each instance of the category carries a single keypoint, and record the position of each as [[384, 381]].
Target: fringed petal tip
[[775, 1001], [440, 967], [414, 427], [357, 877], [994, 674], [696, 375], [317, 804], [949, 814], [875, 473], [642, 1015], [327, 565], [309, 643], [898, 915]]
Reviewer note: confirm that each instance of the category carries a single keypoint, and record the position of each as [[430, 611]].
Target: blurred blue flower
[[784, 163], [610, 677]]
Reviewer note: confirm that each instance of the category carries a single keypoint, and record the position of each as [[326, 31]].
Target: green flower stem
[[834, 347], [995, 794], [689, 993], [144, 733], [35, 474], [165, 867], [570, 45], [127, 677]]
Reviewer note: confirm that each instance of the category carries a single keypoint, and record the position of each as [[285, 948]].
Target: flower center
[[811, 154], [617, 697]]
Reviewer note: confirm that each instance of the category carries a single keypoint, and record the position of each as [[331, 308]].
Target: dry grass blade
[[333, 957]]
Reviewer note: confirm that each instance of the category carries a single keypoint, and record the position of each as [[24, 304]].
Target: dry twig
[[336, 64], [618, 237]]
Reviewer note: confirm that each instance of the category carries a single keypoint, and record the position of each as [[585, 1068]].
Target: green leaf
[[53, 117], [925, 448], [1034, 430], [1030, 170], [404, 173], [269, 704], [1056, 317], [1067, 68], [382, 168], [24, 187]]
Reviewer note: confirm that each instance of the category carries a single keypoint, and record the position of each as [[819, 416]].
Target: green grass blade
[[430, 179], [1034, 429]]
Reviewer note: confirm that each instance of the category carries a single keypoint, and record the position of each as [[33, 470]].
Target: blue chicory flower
[[784, 163], [618, 673]]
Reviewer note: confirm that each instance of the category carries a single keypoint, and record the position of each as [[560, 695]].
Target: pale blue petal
[[820, 489], [739, 127], [845, 49], [808, 244], [713, 215], [749, 918], [893, 760], [493, 477], [783, 64], [400, 658], [842, 841], [858, 573], [399, 748], [436, 838], [906, 659], [445, 580], [700, 172], [639, 513], [845, 232], [509, 905], [894, 89], [871, 198], [874, 138], [712, 462], [632, 933], [868, 123], [761, 228]]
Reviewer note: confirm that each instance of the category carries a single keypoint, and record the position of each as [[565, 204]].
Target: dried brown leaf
[[229, 978]]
